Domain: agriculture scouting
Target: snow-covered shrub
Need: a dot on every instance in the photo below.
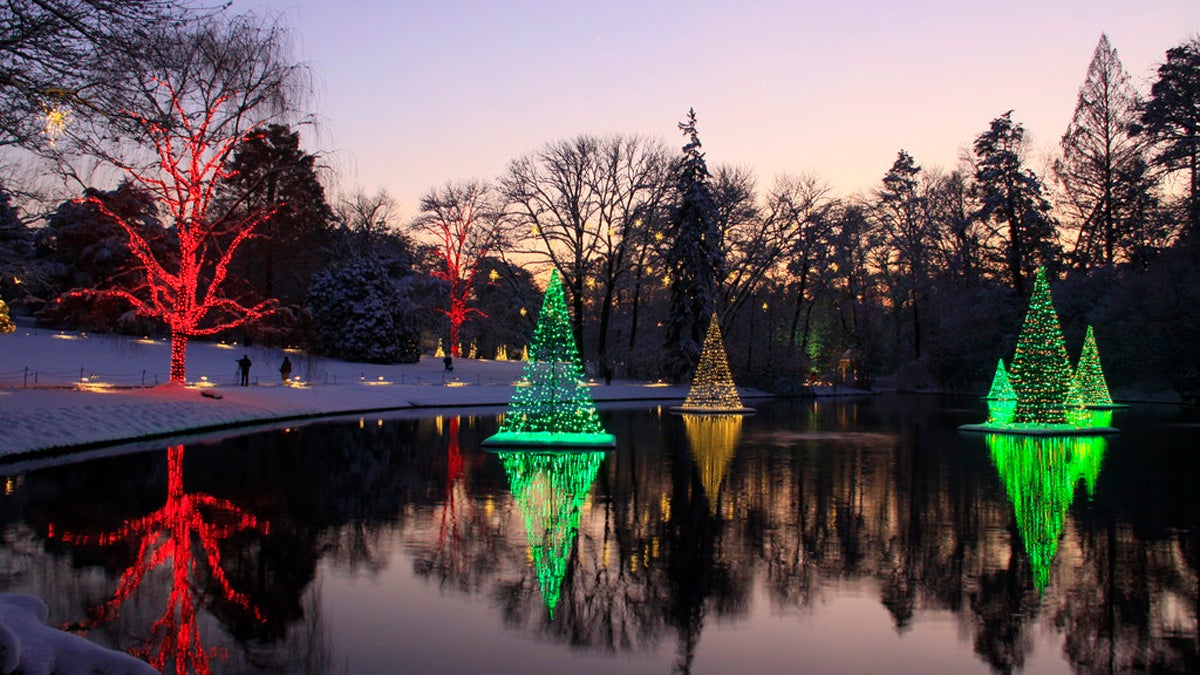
(360, 313)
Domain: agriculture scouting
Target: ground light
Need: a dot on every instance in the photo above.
(713, 391)
(552, 405)
(551, 488)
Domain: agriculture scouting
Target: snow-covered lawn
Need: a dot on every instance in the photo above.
(61, 389)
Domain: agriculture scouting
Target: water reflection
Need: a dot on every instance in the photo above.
(708, 546)
(188, 524)
(1040, 476)
(713, 440)
(550, 489)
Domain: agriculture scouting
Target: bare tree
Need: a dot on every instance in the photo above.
(580, 201)
(192, 95)
(52, 57)
(365, 222)
(463, 220)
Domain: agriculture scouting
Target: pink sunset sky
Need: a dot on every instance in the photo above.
(412, 94)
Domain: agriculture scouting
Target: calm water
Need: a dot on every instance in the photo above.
(854, 536)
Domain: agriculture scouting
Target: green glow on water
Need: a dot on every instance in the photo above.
(550, 489)
(1040, 476)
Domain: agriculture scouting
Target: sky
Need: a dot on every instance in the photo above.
(411, 94)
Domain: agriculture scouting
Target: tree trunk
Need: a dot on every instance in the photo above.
(179, 342)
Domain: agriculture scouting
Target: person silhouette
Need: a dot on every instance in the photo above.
(285, 370)
(244, 369)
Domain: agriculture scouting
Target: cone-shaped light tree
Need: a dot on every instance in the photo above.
(712, 387)
(550, 489)
(1041, 370)
(1089, 375)
(552, 404)
(1040, 476)
(1002, 389)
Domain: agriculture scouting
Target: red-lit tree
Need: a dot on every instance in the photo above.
(187, 524)
(195, 94)
(463, 220)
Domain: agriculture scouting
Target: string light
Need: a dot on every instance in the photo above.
(1041, 371)
(550, 489)
(1040, 476)
(6, 323)
(713, 390)
(57, 120)
(1002, 389)
(1089, 375)
(551, 404)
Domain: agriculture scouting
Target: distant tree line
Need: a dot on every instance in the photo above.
(918, 283)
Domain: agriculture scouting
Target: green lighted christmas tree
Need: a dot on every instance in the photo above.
(1041, 371)
(713, 390)
(1040, 477)
(550, 489)
(1002, 389)
(552, 404)
(1089, 375)
(6, 322)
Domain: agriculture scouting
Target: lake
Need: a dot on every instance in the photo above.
(840, 535)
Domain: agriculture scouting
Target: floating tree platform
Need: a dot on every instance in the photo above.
(549, 440)
(1039, 429)
(685, 410)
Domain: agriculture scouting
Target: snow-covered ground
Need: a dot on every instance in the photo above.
(61, 389)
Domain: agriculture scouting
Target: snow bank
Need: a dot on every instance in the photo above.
(30, 647)
(60, 390)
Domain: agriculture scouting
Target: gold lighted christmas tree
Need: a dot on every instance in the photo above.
(713, 390)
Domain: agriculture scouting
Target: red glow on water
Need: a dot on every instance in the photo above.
(186, 529)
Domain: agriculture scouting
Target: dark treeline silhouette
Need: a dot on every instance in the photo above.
(917, 283)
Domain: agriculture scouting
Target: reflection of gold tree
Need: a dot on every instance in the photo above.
(713, 439)
(550, 489)
(187, 522)
(1040, 475)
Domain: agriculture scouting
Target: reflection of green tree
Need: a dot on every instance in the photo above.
(550, 489)
(713, 439)
(1040, 475)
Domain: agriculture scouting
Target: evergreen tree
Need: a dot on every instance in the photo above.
(906, 228)
(1103, 169)
(1041, 371)
(269, 168)
(1089, 375)
(16, 247)
(1012, 202)
(551, 404)
(1002, 389)
(695, 260)
(1172, 117)
(362, 313)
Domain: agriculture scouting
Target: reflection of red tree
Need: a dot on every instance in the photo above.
(455, 473)
(172, 532)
